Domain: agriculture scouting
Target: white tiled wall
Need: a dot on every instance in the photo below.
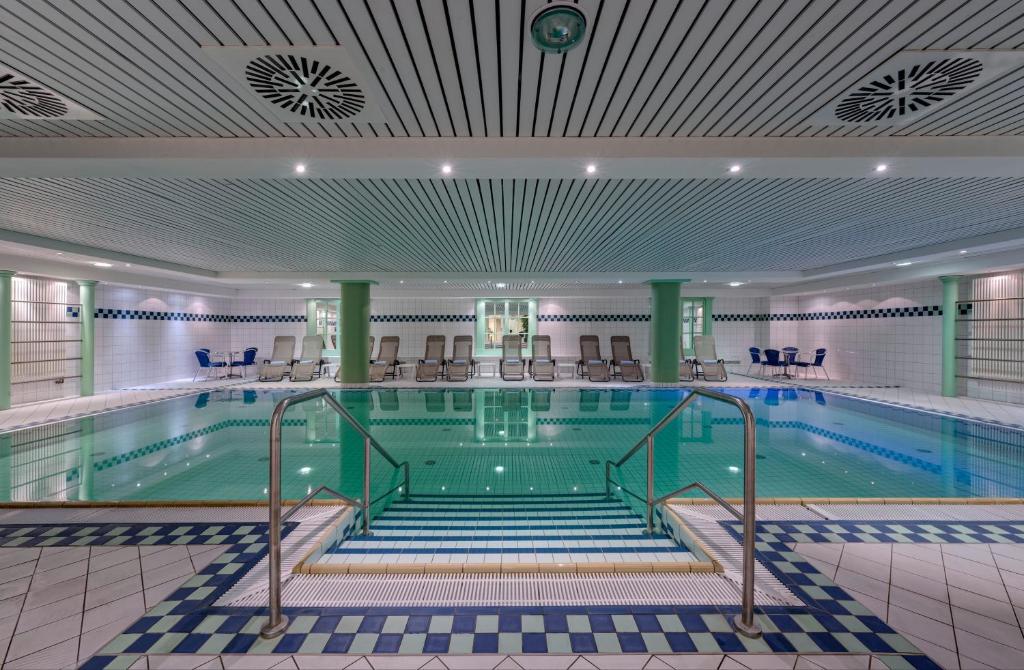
(733, 339)
(132, 352)
(40, 319)
(997, 347)
(413, 334)
(904, 351)
(261, 334)
(565, 335)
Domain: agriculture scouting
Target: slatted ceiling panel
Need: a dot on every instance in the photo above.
(468, 225)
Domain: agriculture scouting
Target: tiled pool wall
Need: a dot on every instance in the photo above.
(882, 335)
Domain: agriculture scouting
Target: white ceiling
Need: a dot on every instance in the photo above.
(742, 74)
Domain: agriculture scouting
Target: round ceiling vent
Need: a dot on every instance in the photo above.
(305, 86)
(908, 90)
(20, 96)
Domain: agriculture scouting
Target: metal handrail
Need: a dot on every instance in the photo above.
(744, 621)
(277, 621)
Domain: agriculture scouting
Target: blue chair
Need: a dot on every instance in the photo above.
(816, 364)
(773, 360)
(202, 400)
(248, 358)
(771, 396)
(755, 359)
(203, 356)
(249, 397)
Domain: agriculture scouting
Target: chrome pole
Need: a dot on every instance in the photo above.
(607, 479)
(277, 622)
(366, 485)
(744, 622)
(650, 483)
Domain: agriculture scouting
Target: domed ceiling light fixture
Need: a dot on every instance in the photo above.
(558, 27)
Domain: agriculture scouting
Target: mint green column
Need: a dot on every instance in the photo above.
(665, 327)
(5, 338)
(950, 294)
(310, 316)
(355, 332)
(87, 296)
(706, 328)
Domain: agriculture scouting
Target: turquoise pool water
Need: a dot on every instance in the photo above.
(213, 446)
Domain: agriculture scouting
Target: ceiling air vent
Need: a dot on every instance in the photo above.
(23, 98)
(302, 83)
(915, 83)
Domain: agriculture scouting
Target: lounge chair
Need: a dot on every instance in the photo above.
(590, 364)
(590, 400)
(461, 366)
(542, 366)
(462, 401)
(620, 400)
(386, 363)
(512, 366)
(540, 400)
(434, 401)
(280, 362)
(432, 364)
(622, 358)
(712, 368)
(755, 359)
(309, 364)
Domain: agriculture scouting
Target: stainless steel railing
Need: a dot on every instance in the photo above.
(277, 621)
(744, 621)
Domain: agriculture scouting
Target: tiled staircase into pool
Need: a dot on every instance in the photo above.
(509, 534)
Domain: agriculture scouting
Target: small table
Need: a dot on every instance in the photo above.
(490, 365)
(229, 358)
(565, 365)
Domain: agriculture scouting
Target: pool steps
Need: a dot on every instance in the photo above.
(567, 533)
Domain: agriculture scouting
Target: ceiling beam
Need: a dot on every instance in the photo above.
(619, 157)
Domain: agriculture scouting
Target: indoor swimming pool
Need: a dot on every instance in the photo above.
(496, 442)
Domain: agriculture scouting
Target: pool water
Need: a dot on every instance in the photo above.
(213, 446)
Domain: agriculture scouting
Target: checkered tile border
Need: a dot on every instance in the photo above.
(919, 532)
(578, 318)
(187, 622)
(883, 313)
(422, 318)
(146, 315)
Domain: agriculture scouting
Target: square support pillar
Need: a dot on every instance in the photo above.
(665, 331)
(950, 295)
(87, 296)
(355, 332)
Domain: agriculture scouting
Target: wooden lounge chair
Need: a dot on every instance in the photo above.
(622, 358)
(542, 366)
(590, 364)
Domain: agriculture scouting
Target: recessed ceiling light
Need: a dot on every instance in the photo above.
(300, 168)
(306, 284)
(963, 251)
(881, 167)
(500, 285)
(558, 27)
(446, 168)
(102, 265)
(735, 283)
(903, 264)
(591, 169)
(735, 168)
(401, 281)
(705, 281)
(127, 265)
(620, 281)
(60, 253)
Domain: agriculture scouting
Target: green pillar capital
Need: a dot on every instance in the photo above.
(87, 282)
(950, 295)
(7, 273)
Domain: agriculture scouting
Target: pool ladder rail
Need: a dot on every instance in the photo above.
(744, 622)
(278, 622)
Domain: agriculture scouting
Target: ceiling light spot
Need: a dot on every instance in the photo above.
(735, 168)
(620, 281)
(306, 284)
(881, 167)
(300, 168)
(963, 251)
(446, 168)
(557, 28)
(591, 169)
(736, 283)
(500, 285)
(102, 265)
(903, 264)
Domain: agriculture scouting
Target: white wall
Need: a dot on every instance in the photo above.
(44, 302)
(888, 335)
(155, 336)
(999, 299)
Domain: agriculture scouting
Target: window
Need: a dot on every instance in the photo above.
(497, 318)
(693, 322)
(327, 323)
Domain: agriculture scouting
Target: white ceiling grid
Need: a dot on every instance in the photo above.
(510, 225)
(466, 68)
